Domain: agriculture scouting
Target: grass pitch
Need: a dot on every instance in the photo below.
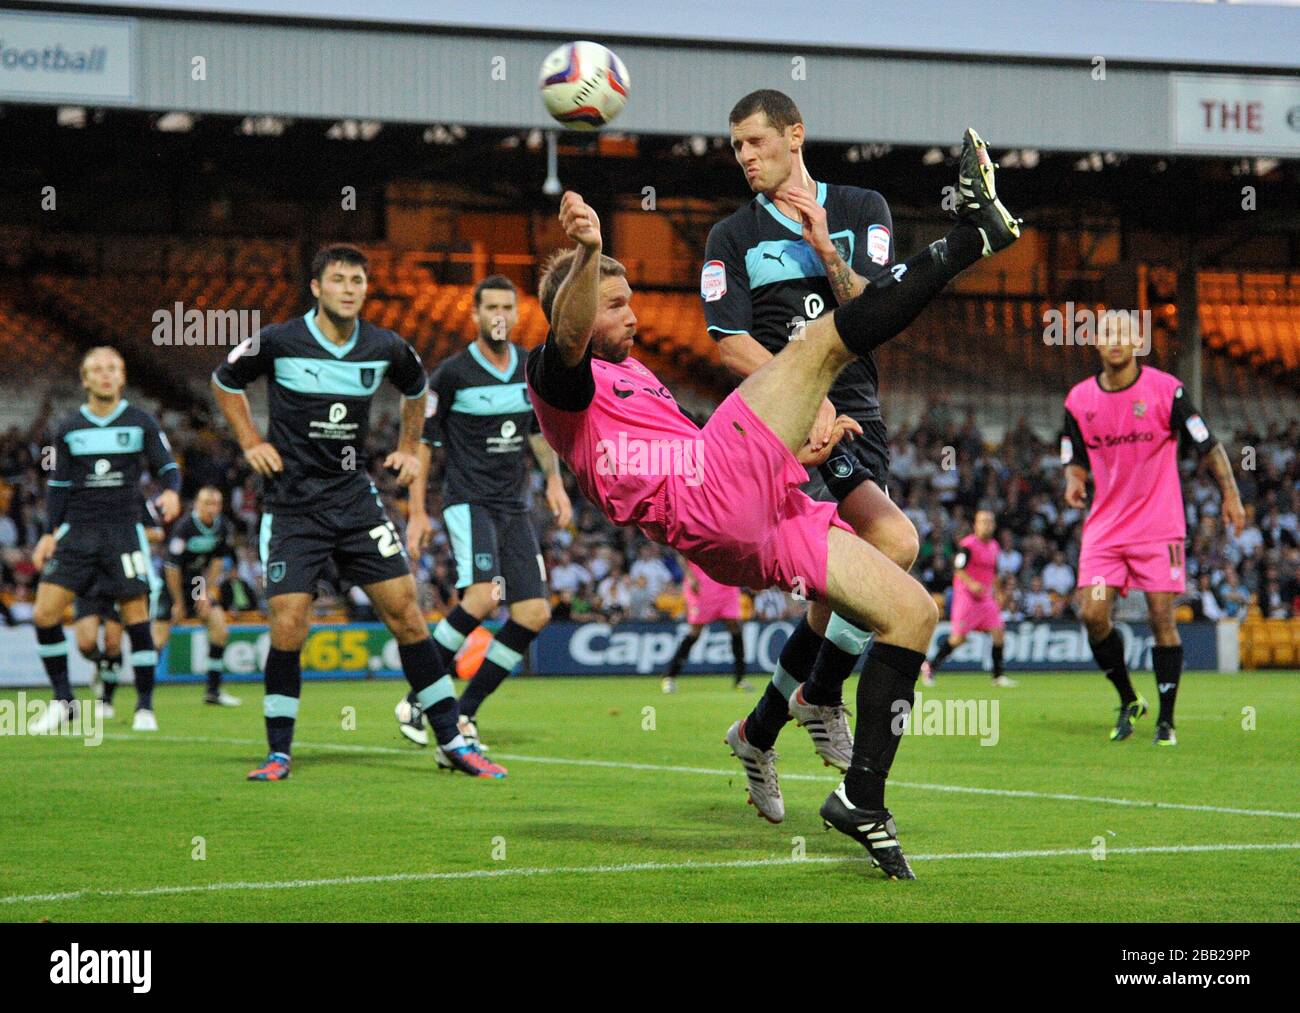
(623, 804)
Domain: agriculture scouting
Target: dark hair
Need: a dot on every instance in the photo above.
(777, 106)
(338, 253)
(556, 269)
(493, 281)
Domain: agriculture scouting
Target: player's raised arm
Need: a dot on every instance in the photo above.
(574, 311)
(1185, 419)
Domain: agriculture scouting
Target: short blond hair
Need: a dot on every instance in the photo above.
(556, 269)
(95, 351)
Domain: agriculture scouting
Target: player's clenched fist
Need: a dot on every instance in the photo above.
(579, 220)
(264, 459)
(1076, 490)
(406, 465)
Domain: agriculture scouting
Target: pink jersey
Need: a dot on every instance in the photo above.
(1128, 439)
(626, 443)
(709, 600)
(981, 566)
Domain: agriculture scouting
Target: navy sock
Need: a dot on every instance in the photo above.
(738, 656)
(110, 666)
(52, 646)
(1168, 663)
(503, 656)
(997, 661)
(448, 637)
(144, 660)
(1109, 652)
(280, 706)
(432, 687)
(772, 711)
(216, 665)
(886, 690)
(835, 662)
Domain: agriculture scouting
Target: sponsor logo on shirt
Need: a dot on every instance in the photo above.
(713, 281)
(878, 244)
(1097, 442)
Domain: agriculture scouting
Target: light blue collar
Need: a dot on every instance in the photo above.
(790, 223)
(338, 351)
(200, 525)
(481, 359)
(110, 417)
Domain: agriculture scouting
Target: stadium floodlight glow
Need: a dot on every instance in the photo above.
(551, 187)
(175, 123)
(1029, 158)
(73, 117)
(264, 126)
(354, 130)
(932, 157)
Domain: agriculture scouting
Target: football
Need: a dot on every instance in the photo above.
(584, 85)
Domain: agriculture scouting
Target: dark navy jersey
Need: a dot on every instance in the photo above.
(98, 464)
(192, 545)
(761, 277)
(319, 396)
(483, 418)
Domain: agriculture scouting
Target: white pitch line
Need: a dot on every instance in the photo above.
(594, 870)
(717, 772)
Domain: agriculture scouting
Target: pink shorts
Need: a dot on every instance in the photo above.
(712, 602)
(1146, 566)
(744, 520)
(971, 613)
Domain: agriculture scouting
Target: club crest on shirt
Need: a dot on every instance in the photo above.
(841, 244)
(367, 376)
(1139, 408)
(275, 572)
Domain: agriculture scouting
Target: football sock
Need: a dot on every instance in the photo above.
(448, 638)
(940, 656)
(52, 646)
(836, 658)
(280, 706)
(882, 311)
(1168, 663)
(144, 659)
(773, 708)
(432, 688)
(110, 666)
(679, 659)
(216, 665)
(503, 657)
(738, 656)
(1109, 652)
(997, 661)
(886, 689)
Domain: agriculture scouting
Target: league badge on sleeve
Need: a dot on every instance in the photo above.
(713, 281)
(878, 244)
(1199, 431)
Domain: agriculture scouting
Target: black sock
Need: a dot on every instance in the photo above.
(738, 656)
(1109, 653)
(432, 687)
(216, 666)
(886, 691)
(940, 656)
(503, 656)
(679, 659)
(110, 665)
(94, 656)
(450, 633)
(1168, 663)
(280, 706)
(879, 313)
(52, 646)
(997, 661)
(773, 708)
(836, 659)
(144, 660)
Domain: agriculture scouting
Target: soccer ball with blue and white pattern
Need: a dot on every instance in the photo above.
(584, 85)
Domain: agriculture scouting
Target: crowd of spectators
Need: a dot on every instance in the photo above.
(943, 470)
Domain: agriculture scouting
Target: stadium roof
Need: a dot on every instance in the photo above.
(1254, 35)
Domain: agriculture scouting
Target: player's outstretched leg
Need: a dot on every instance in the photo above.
(817, 705)
(1167, 660)
(283, 675)
(52, 645)
(144, 661)
(669, 682)
(395, 602)
(503, 657)
(875, 593)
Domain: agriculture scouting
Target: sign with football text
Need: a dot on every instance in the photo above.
(69, 58)
(1236, 115)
